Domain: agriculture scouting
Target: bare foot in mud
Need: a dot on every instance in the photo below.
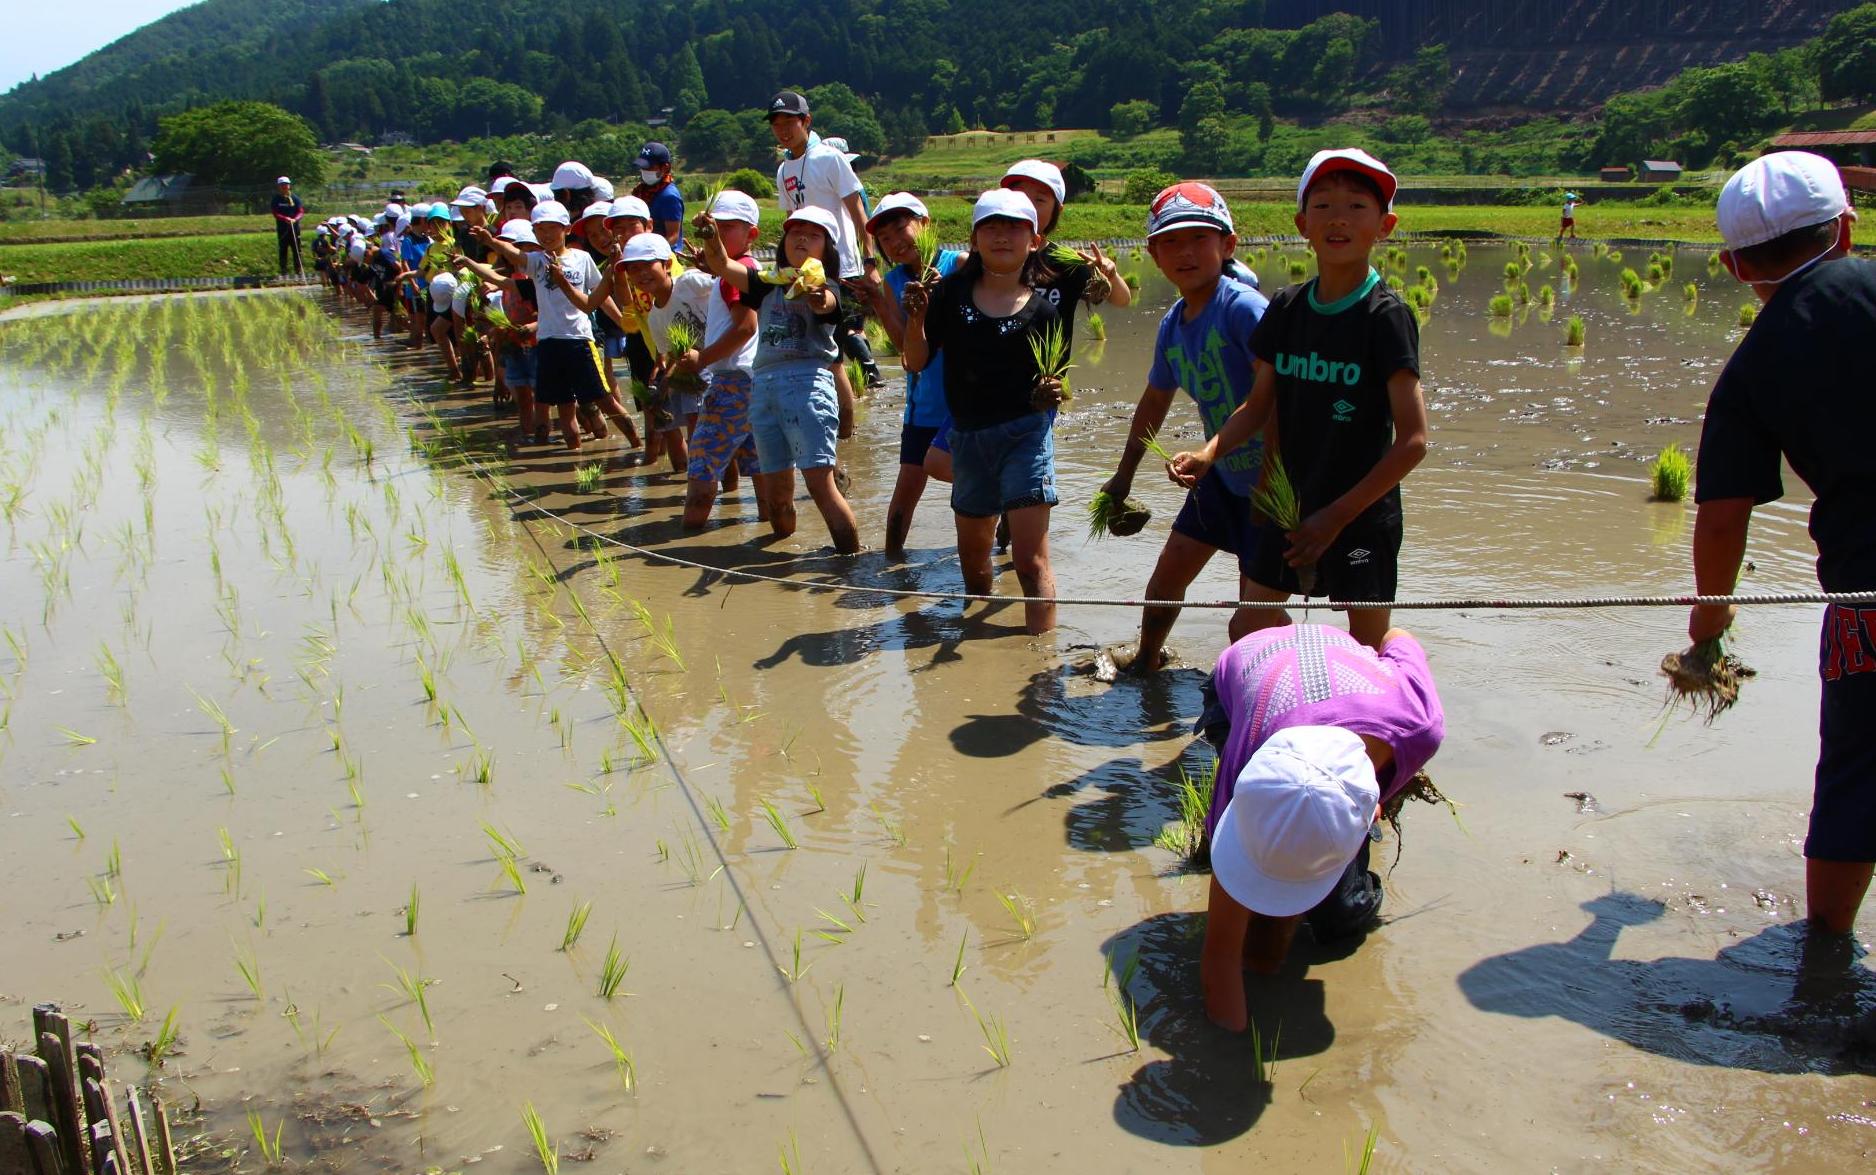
(1109, 664)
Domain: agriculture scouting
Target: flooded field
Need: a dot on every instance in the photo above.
(416, 807)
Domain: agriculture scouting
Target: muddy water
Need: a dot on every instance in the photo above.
(1558, 987)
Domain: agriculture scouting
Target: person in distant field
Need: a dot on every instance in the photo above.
(659, 192)
(1316, 733)
(1204, 347)
(288, 210)
(1338, 385)
(1797, 390)
(1567, 228)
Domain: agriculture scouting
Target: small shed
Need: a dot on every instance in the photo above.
(1614, 175)
(1660, 171)
(1844, 148)
(159, 190)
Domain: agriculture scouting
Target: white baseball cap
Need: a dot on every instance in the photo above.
(1348, 159)
(820, 217)
(550, 212)
(647, 247)
(1044, 173)
(505, 186)
(626, 206)
(597, 210)
(572, 175)
(402, 226)
(283, 180)
(518, 232)
(470, 197)
(1779, 193)
(1301, 809)
(734, 205)
(898, 202)
(602, 188)
(1005, 204)
(542, 191)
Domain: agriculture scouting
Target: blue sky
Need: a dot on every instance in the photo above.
(42, 37)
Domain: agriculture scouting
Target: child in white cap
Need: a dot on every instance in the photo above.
(1315, 732)
(1798, 389)
(721, 446)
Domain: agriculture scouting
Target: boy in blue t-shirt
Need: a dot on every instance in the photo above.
(894, 227)
(1204, 347)
(1337, 399)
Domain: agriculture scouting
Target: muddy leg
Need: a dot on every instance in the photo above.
(1833, 891)
(1029, 543)
(835, 511)
(905, 495)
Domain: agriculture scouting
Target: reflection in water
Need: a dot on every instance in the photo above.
(1782, 1001)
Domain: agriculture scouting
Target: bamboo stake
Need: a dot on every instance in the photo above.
(68, 1118)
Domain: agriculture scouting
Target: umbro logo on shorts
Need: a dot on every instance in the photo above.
(1359, 556)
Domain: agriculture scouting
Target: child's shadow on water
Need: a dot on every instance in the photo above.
(1206, 1092)
(1115, 716)
(1781, 1001)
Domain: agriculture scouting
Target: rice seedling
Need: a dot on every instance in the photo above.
(791, 1154)
(778, 822)
(1264, 1063)
(78, 830)
(1632, 285)
(926, 243)
(1748, 314)
(797, 968)
(428, 680)
(955, 877)
(576, 924)
(73, 738)
(1546, 296)
(271, 1150)
(419, 1064)
(718, 816)
(1705, 676)
(1097, 327)
(665, 642)
(1671, 474)
(260, 912)
(1499, 306)
(411, 987)
(957, 965)
(855, 897)
(1573, 331)
(586, 479)
(164, 1042)
(1362, 1161)
(996, 1034)
(218, 716)
(1126, 1011)
(321, 876)
(1298, 271)
(1116, 516)
(127, 990)
(1690, 292)
(894, 829)
(114, 862)
(1275, 496)
(1715, 266)
(612, 971)
(1017, 906)
(1151, 443)
(248, 966)
(814, 793)
(227, 779)
(621, 1059)
(512, 874)
(1195, 805)
(113, 674)
(832, 1043)
(1049, 348)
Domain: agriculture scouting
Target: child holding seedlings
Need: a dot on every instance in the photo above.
(996, 333)
(794, 411)
(1797, 389)
(1204, 347)
(513, 321)
(902, 230)
(1337, 399)
(1302, 777)
(675, 307)
(721, 441)
(569, 370)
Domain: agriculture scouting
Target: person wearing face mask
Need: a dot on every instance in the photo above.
(1797, 391)
(659, 192)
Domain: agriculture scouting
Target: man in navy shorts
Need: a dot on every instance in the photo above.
(1798, 389)
(1204, 346)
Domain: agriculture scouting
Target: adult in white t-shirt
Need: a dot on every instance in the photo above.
(819, 175)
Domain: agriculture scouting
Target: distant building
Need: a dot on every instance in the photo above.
(1615, 175)
(26, 169)
(1659, 171)
(1851, 148)
(171, 195)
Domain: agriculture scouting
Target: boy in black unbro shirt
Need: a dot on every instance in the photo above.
(1337, 399)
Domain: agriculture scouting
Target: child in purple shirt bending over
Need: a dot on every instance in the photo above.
(1316, 733)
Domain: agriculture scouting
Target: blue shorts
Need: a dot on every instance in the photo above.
(794, 414)
(1008, 466)
(518, 366)
(1843, 801)
(1215, 516)
(942, 442)
(915, 441)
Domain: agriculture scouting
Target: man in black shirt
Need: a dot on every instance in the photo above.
(287, 211)
(1799, 388)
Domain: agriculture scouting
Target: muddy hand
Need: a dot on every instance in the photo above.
(1187, 468)
(1707, 621)
(915, 300)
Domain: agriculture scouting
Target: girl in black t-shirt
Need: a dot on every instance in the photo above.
(983, 317)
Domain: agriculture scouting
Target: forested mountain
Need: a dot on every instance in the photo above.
(437, 69)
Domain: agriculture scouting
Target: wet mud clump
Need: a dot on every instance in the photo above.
(1122, 518)
(1706, 677)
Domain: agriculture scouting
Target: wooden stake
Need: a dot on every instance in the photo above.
(10, 1086)
(165, 1149)
(140, 1141)
(42, 1144)
(35, 1089)
(67, 1115)
(13, 1156)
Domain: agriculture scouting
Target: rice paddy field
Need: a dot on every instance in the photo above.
(381, 793)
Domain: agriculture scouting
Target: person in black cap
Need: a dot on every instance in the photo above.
(659, 192)
(498, 169)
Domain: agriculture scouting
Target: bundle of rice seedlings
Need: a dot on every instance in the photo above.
(1152, 443)
(497, 318)
(1706, 677)
(1500, 306)
(1671, 474)
(1275, 498)
(706, 227)
(1050, 349)
(1748, 314)
(1574, 336)
(1119, 517)
(926, 242)
(681, 337)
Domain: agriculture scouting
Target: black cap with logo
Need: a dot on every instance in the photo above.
(788, 102)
